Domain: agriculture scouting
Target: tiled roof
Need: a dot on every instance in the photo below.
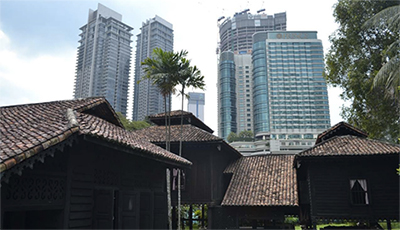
(175, 119)
(29, 129)
(94, 126)
(350, 146)
(266, 180)
(340, 129)
(174, 113)
(190, 134)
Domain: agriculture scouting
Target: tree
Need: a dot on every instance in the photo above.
(132, 125)
(246, 135)
(162, 70)
(355, 57)
(389, 75)
(232, 137)
(187, 76)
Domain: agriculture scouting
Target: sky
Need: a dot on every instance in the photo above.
(39, 40)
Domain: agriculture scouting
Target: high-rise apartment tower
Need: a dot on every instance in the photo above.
(155, 33)
(235, 113)
(290, 99)
(196, 103)
(104, 56)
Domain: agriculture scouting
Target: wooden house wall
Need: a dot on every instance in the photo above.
(128, 187)
(224, 217)
(204, 180)
(36, 198)
(89, 186)
(329, 187)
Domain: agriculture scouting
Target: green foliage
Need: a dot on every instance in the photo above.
(294, 220)
(162, 69)
(132, 125)
(355, 57)
(189, 76)
(232, 137)
(245, 135)
(388, 76)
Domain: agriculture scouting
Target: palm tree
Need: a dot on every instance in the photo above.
(161, 69)
(389, 75)
(166, 70)
(188, 76)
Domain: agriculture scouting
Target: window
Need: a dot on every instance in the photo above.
(359, 191)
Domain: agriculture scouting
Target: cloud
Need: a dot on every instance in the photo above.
(45, 77)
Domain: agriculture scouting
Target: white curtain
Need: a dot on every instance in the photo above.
(352, 182)
(363, 184)
(174, 177)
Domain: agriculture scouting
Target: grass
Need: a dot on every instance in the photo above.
(395, 225)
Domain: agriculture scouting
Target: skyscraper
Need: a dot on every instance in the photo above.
(104, 55)
(196, 104)
(235, 68)
(155, 33)
(290, 99)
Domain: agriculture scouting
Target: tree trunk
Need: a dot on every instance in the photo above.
(169, 199)
(180, 154)
(168, 173)
(169, 123)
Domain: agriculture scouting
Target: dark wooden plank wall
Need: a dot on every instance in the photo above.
(81, 179)
(38, 192)
(136, 183)
(330, 187)
(231, 217)
(81, 182)
(204, 180)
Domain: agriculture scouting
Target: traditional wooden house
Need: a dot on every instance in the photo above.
(70, 164)
(262, 191)
(203, 184)
(347, 177)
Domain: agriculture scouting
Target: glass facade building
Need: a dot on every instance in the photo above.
(235, 46)
(227, 94)
(196, 104)
(103, 62)
(290, 99)
(147, 100)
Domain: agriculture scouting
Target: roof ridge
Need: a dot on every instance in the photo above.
(342, 139)
(72, 121)
(49, 102)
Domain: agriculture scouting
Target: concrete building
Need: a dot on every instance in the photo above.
(155, 33)
(289, 94)
(270, 82)
(235, 68)
(196, 104)
(290, 98)
(104, 56)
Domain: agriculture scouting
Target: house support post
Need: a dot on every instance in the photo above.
(389, 224)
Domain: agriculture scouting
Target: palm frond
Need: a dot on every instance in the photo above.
(389, 17)
(389, 77)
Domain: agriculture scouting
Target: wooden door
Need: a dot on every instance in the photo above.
(130, 209)
(104, 209)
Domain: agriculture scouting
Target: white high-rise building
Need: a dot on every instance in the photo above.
(155, 33)
(104, 56)
(196, 104)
